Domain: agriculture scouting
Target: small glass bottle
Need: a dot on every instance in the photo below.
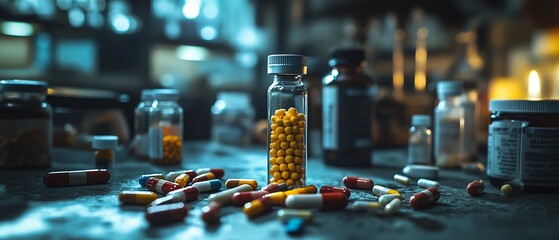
(232, 118)
(449, 125)
(166, 126)
(347, 110)
(287, 120)
(420, 140)
(104, 154)
(25, 125)
(139, 145)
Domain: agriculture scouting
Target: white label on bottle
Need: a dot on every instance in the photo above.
(330, 118)
(155, 142)
(540, 154)
(448, 146)
(504, 149)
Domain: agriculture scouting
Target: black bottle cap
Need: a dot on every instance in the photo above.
(346, 56)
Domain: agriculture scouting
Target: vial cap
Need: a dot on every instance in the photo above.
(23, 86)
(445, 88)
(287, 64)
(147, 95)
(105, 142)
(421, 120)
(346, 56)
(166, 94)
(525, 106)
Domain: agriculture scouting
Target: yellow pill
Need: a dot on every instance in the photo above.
(298, 152)
(285, 118)
(288, 130)
(285, 174)
(292, 111)
(286, 122)
(281, 153)
(298, 160)
(280, 160)
(271, 172)
(291, 166)
(273, 126)
(283, 167)
(293, 120)
(273, 180)
(299, 182)
(288, 158)
(295, 175)
(274, 168)
(279, 122)
(290, 137)
(295, 128)
(282, 137)
(293, 144)
(279, 130)
(274, 118)
(301, 146)
(284, 145)
(289, 151)
(182, 180)
(273, 137)
(273, 152)
(280, 112)
(301, 116)
(301, 130)
(299, 137)
(289, 182)
(280, 181)
(505, 189)
(299, 169)
(277, 175)
(275, 146)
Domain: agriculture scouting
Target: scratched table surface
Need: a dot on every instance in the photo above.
(30, 210)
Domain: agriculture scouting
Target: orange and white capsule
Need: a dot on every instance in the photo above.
(171, 176)
(137, 197)
(380, 190)
(241, 198)
(231, 183)
(324, 201)
(161, 186)
(182, 180)
(424, 198)
(358, 182)
(77, 178)
(218, 172)
(204, 177)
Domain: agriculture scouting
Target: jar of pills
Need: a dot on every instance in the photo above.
(523, 143)
(165, 131)
(25, 125)
(287, 120)
(104, 150)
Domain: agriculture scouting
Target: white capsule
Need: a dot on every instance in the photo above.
(364, 206)
(224, 197)
(303, 201)
(426, 183)
(385, 199)
(421, 171)
(393, 206)
(402, 179)
(286, 214)
(380, 190)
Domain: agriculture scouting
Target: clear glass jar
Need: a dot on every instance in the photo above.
(420, 140)
(232, 118)
(166, 126)
(140, 144)
(449, 125)
(25, 125)
(347, 100)
(104, 146)
(287, 120)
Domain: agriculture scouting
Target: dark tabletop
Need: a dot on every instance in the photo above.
(28, 209)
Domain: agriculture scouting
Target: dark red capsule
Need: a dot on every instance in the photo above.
(77, 178)
(425, 198)
(161, 185)
(239, 199)
(358, 182)
(210, 213)
(166, 213)
(475, 187)
(331, 189)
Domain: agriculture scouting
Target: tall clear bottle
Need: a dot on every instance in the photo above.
(420, 140)
(287, 120)
(139, 146)
(449, 125)
(166, 126)
(347, 108)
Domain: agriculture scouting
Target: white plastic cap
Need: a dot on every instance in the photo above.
(166, 94)
(445, 88)
(105, 142)
(421, 120)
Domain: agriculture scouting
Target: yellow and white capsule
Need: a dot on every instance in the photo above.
(364, 206)
(393, 206)
(402, 179)
(231, 183)
(182, 180)
(387, 198)
(286, 214)
(380, 190)
(137, 197)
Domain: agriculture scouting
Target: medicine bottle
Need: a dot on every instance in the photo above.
(287, 120)
(166, 126)
(449, 125)
(523, 144)
(347, 110)
(104, 150)
(420, 140)
(232, 119)
(25, 125)
(139, 145)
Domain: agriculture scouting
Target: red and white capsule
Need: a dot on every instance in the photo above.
(240, 198)
(425, 198)
(324, 201)
(204, 177)
(218, 172)
(161, 186)
(77, 178)
(330, 189)
(358, 182)
(160, 214)
(274, 187)
(211, 213)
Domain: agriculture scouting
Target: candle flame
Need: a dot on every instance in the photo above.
(534, 86)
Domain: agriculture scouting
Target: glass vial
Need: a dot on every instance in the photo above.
(25, 125)
(104, 150)
(347, 110)
(471, 116)
(449, 125)
(420, 140)
(287, 120)
(232, 119)
(166, 126)
(139, 146)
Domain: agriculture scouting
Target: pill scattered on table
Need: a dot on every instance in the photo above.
(425, 198)
(208, 186)
(161, 185)
(274, 187)
(182, 180)
(402, 179)
(218, 172)
(329, 189)
(475, 187)
(358, 182)
(241, 198)
(393, 206)
(204, 177)
(387, 198)
(224, 197)
(421, 171)
(231, 183)
(171, 176)
(286, 214)
(77, 178)
(167, 213)
(294, 226)
(426, 183)
(257, 207)
(137, 197)
(380, 190)
(365, 206)
(211, 213)
(144, 178)
(324, 201)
